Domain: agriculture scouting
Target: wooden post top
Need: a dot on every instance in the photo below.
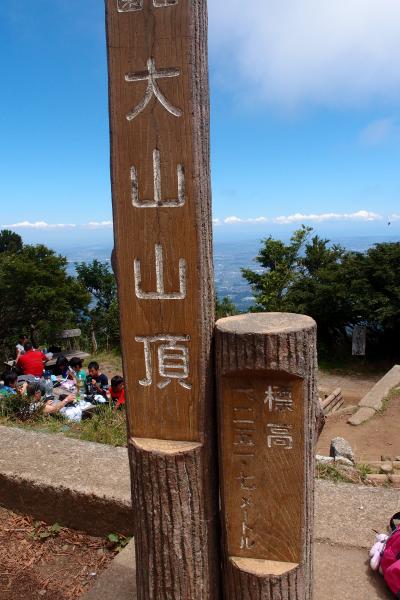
(265, 342)
(265, 323)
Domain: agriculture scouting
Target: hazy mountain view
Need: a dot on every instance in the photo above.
(229, 258)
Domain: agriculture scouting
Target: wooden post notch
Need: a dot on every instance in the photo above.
(267, 401)
(159, 114)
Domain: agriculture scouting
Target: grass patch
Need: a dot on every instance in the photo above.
(105, 427)
(342, 474)
(393, 395)
(339, 473)
(364, 470)
(331, 472)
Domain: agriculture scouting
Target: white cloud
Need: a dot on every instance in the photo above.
(44, 225)
(378, 132)
(361, 215)
(99, 224)
(232, 220)
(39, 225)
(318, 52)
(394, 217)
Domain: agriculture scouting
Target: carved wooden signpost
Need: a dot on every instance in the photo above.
(267, 398)
(159, 113)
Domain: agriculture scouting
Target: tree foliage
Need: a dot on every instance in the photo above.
(37, 296)
(103, 314)
(10, 241)
(337, 287)
(225, 308)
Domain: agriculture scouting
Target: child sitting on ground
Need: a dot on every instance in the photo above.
(10, 385)
(62, 367)
(49, 407)
(96, 382)
(76, 365)
(117, 391)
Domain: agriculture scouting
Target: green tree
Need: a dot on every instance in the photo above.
(309, 276)
(37, 295)
(382, 272)
(103, 313)
(379, 297)
(337, 287)
(10, 241)
(225, 308)
(281, 265)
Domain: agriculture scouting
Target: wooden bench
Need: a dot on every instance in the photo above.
(333, 402)
(71, 339)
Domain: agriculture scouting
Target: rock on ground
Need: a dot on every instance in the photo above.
(341, 449)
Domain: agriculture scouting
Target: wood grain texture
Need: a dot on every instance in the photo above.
(262, 453)
(177, 558)
(160, 172)
(174, 37)
(269, 346)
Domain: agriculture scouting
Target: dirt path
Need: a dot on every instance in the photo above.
(377, 437)
(354, 387)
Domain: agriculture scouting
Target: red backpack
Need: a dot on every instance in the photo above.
(390, 561)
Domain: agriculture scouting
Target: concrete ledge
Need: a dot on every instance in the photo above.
(373, 401)
(54, 478)
(375, 397)
(86, 486)
(361, 416)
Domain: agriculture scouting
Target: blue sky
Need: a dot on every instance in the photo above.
(305, 118)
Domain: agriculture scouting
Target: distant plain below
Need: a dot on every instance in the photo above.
(229, 258)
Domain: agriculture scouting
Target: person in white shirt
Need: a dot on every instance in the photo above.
(20, 346)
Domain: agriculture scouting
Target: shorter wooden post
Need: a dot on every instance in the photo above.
(267, 406)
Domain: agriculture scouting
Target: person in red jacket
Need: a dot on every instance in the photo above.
(32, 362)
(117, 391)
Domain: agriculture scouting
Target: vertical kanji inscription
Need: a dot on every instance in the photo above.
(263, 457)
(161, 196)
(159, 120)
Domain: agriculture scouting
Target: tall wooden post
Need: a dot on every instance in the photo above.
(267, 398)
(159, 113)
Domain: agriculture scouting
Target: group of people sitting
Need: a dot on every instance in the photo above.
(71, 391)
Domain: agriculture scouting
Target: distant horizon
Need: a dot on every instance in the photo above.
(62, 238)
(230, 255)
